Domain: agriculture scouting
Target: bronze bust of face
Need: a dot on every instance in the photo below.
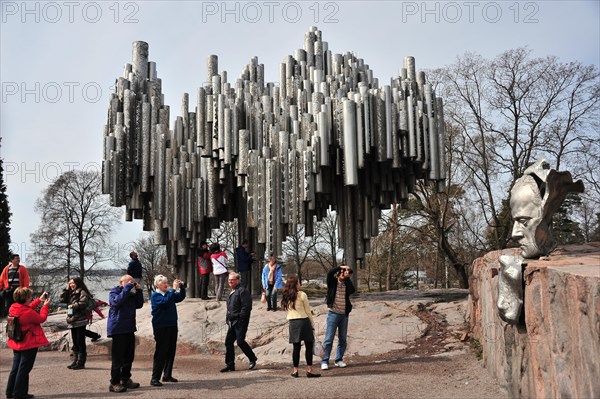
(534, 198)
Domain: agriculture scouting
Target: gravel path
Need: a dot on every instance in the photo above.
(420, 350)
(388, 376)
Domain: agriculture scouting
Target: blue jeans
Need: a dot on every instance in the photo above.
(335, 321)
(271, 297)
(18, 379)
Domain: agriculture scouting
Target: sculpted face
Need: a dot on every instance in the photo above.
(526, 210)
(510, 289)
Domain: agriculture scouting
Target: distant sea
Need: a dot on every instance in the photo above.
(99, 287)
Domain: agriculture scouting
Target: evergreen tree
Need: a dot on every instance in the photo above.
(4, 220)
(566, 230)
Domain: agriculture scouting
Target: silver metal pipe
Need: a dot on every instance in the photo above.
(287, 151)
(350, 151)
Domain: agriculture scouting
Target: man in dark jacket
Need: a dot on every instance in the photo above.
(339, 289)
(239, 306)
(244, 259)
(124, 300)
(134, 269)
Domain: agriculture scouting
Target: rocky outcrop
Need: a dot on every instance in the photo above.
(554, 351)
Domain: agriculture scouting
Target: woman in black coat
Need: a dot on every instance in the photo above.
(80, 301)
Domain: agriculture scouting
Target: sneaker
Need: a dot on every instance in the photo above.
(324, 366)
(130, 384)
(340, 364)
(116, 388)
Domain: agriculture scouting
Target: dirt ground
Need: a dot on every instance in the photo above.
(439, 362)
(393, 375)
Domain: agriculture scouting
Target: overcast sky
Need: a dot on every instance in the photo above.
(60, 59)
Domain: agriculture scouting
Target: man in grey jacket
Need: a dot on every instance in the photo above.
(239, 306)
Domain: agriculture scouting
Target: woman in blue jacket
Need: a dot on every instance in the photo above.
(272, 280)
(164, 324)
(124, 300)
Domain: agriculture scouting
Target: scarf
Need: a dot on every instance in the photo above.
(271, 276)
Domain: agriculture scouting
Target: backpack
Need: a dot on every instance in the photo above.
(91, 305)
(13, 329)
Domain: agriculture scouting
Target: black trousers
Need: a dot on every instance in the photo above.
(78, 337)
(237, 333)
(8, 301)
(204, 278)
(122, 354)
(245, 279)
(18, 379)
(91, 334)
(164, 354)
(308, 353)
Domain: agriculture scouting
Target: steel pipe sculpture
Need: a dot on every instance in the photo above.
(535, 197)
(272, 156)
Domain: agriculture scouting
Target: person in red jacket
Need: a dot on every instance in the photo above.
(205, 269)
(25, 351)
(13, 276)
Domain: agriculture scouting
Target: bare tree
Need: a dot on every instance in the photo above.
(299, 248)
(326, 234)
(510, 111)
(227, 236)
(76, 225)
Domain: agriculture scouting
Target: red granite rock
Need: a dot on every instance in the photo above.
(555, 351)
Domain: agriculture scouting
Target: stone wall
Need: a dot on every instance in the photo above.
(555, 351)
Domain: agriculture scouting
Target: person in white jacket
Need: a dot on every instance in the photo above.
(218, 259)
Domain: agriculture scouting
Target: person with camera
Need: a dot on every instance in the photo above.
(124, 301)
(339, 289)
(80, 302)
(164, 325)
(239, 306)
(13, 276)
(25, 351)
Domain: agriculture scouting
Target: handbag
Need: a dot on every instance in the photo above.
(318, 349)
(263, 297)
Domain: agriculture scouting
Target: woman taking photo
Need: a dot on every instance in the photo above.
(295, 302)
(25, 351)
(80, 301)
(164, 325)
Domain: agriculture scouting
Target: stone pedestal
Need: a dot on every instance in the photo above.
(555, 351)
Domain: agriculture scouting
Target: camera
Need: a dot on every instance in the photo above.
(182, 284)
(343, 271)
